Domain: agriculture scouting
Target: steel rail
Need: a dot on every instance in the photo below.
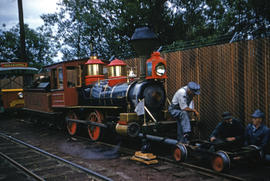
(57, 157)
(173, 142)
(201, 170)
(21, 167)
(205, 170)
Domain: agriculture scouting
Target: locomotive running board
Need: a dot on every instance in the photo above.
(93, 107)
(42, 112)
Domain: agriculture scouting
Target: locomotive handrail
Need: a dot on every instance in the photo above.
(150, 114)
(169, 102)
(118, 78)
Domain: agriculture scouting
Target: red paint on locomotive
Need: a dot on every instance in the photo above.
(94, 70)
(117, 72)
(156, 67)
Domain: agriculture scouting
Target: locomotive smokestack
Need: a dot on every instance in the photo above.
(144, 41)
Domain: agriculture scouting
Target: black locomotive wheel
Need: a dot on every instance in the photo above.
(180, 153)
(221, 161)
(71, 126)
(95, 132)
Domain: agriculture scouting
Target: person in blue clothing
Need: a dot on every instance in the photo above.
(256, 132)
(229, 129)
(182, 105)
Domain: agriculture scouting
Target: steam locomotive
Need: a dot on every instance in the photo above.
(79, 91)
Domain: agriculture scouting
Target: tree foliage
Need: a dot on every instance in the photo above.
(107, 26)
(39, 49)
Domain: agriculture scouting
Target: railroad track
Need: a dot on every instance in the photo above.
(165, 163)
(40, 165)
(168, 163)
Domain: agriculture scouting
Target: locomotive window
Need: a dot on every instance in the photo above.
(79, 75)
(115, 71)
(71, 77)
(60, 78)
(53, 79)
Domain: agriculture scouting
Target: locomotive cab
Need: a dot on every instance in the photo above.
(66, 77)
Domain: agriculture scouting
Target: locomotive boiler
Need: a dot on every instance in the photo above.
(126, 95)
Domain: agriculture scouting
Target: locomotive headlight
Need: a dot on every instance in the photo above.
(160, 69)
(20, 95)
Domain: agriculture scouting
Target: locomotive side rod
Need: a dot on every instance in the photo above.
(87, 122)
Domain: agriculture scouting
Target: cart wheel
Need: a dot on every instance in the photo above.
(71, 126)
(258, 155)
(180, 153)
(221, 161)
(95, 132)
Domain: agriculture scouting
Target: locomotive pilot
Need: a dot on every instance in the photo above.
(229, 129)
(182, 104)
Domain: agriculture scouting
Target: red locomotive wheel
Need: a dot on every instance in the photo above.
(71, 126)
(177, 154)
(218, 164)
(94, 132)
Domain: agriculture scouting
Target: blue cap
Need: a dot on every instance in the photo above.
(258, 114)
(194, 87)
(227, 115)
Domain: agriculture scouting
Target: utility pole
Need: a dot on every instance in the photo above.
(22, 32)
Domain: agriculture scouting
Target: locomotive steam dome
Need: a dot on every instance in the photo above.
(117, 72)
(94, 70)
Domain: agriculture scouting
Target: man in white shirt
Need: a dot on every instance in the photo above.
(182, 104)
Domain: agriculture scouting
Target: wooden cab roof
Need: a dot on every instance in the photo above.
(74, 62)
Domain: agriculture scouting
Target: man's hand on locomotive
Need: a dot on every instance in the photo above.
(212, 139)
(197, 114)
(230, 139)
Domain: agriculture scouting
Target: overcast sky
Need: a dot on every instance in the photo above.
(32, 9)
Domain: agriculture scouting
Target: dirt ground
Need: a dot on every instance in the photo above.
(104, 160)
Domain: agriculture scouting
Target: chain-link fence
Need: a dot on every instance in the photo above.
(234, 77)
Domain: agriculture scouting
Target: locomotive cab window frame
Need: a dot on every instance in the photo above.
(57, 79)
(74, 76)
